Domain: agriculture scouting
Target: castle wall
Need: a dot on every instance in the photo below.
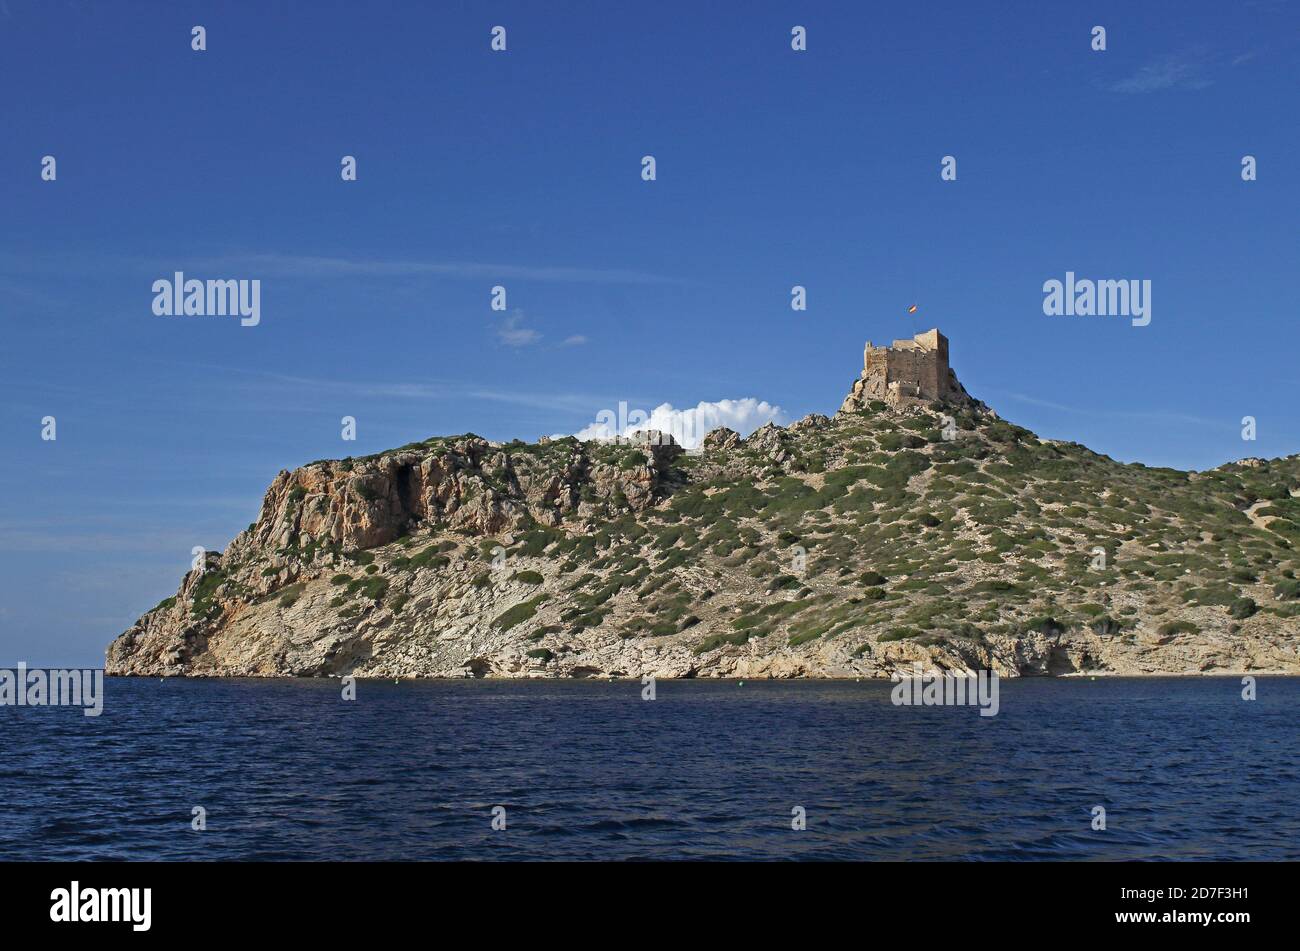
(920, 367)
(876, 363)
(922, 361)
(907, 373)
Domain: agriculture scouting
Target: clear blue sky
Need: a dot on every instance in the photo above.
(775, 168)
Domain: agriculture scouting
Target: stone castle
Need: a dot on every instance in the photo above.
(908, 373)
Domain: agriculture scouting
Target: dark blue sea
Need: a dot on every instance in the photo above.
(286, 769)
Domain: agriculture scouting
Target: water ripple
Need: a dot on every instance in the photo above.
(286, 770)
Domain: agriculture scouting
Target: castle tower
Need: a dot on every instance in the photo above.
(908, 372)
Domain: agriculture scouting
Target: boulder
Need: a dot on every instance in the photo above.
(721, 438)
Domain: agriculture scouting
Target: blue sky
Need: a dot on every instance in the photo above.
(522, 168)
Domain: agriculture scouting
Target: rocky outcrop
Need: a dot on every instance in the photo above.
(770, 440)
(315, 518)
(812, 421)
(467, 484)
(721, 438)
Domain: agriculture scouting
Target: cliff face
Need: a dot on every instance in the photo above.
(464, 484)
(850, 546)
(331, 514)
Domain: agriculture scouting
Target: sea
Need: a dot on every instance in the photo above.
(1153, 768)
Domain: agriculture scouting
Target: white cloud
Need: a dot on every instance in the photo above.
(1176, 71)
(513, 334)
(308, 266)
(688, 426)
(576, 340)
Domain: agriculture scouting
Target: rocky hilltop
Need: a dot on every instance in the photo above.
(913, 526)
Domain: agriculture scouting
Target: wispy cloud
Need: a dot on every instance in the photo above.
(308, 266)
(270, 264)
(260, 382)
(1155, 416)
(1182, 70)
(513, 333)
(24, 292)
(47, 538)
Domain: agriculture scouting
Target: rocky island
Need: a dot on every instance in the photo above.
(915, 525)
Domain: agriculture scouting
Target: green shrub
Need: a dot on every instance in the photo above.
(519, 613)
(535, 541)
(1242, 608)
(1105, 625)
(1047, 626)
(429, 557)
(289, 596)
(371, 586)
(204, 592)
(997, 587)
(719, 640)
